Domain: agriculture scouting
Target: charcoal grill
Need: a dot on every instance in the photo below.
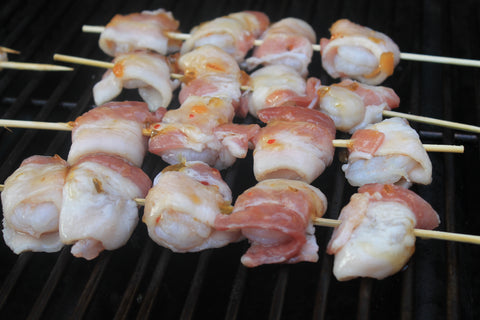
(142, 280)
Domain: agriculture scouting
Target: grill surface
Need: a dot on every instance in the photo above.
(143, 280)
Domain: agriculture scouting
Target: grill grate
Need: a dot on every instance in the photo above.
(143, 280)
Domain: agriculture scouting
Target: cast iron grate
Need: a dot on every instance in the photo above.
(143, 280)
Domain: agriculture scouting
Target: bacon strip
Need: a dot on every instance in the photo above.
(210, 72)
(234, 33)
(425, 215)
(376, 237)
(275, 215)
(181, 208)
(197, 132)
(286, 42)
(31, 202)
(295, 144)
(359, 53)
(279, 85)
(353, 105)
(99, 211)
(147, 72)
(366, 140)
(388, 152)
(120, 125)
(140, 31)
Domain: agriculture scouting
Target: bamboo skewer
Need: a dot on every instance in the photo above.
(96, 63)
(67, 126)
(61, 126)
(316, 47)
(345, 143)
(432, 121)
(32, 66)
(28, 65)
(83, 61)
(387, 113)
(8, 50)
(420, 233)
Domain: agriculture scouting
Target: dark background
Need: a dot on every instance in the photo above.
(144, 280)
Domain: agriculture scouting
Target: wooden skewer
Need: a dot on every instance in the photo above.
(428, 234)
(96, 63)
(67, 126)
(345, 143)
(8, 50)
(62, 126)
(387, 113)
(83, 61)
(421, 233)
(436, 122)
(32, 66)
(316, 47)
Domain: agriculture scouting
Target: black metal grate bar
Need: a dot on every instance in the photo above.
(155, 282)
(91, 286)
(279, 294)
(440, 282)
(134, 283)
(238, 289)
(50, 285)
(196, 286)
(13, 276)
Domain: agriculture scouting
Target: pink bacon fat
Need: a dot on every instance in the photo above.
(114, 128)
(276, 216)
(295, 144)
(372, 95)
(286, 42)
(353, 105)
(181, 208)
(146, 71)
(279, 85)
(426, 217)
(123, 168)
(99, 211)
(387, 152)
(200, 130)
(234, 33)
(359, 53)
(209, 71)
(140, 31)
(31, 201)
(376, 237)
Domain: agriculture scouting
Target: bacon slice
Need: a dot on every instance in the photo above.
(99, 211)
(114, 128)
(359, 53)
(353, 105)
(210, 72)
(192, 133)
(286, 42)
(376, 238)
(388, 152)
(234, 33)
(295, 144)
(147, 72)
(276, 217)
(31, 202)
(181, 208)
(279, 85)
(236, 139)
(140, 31)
